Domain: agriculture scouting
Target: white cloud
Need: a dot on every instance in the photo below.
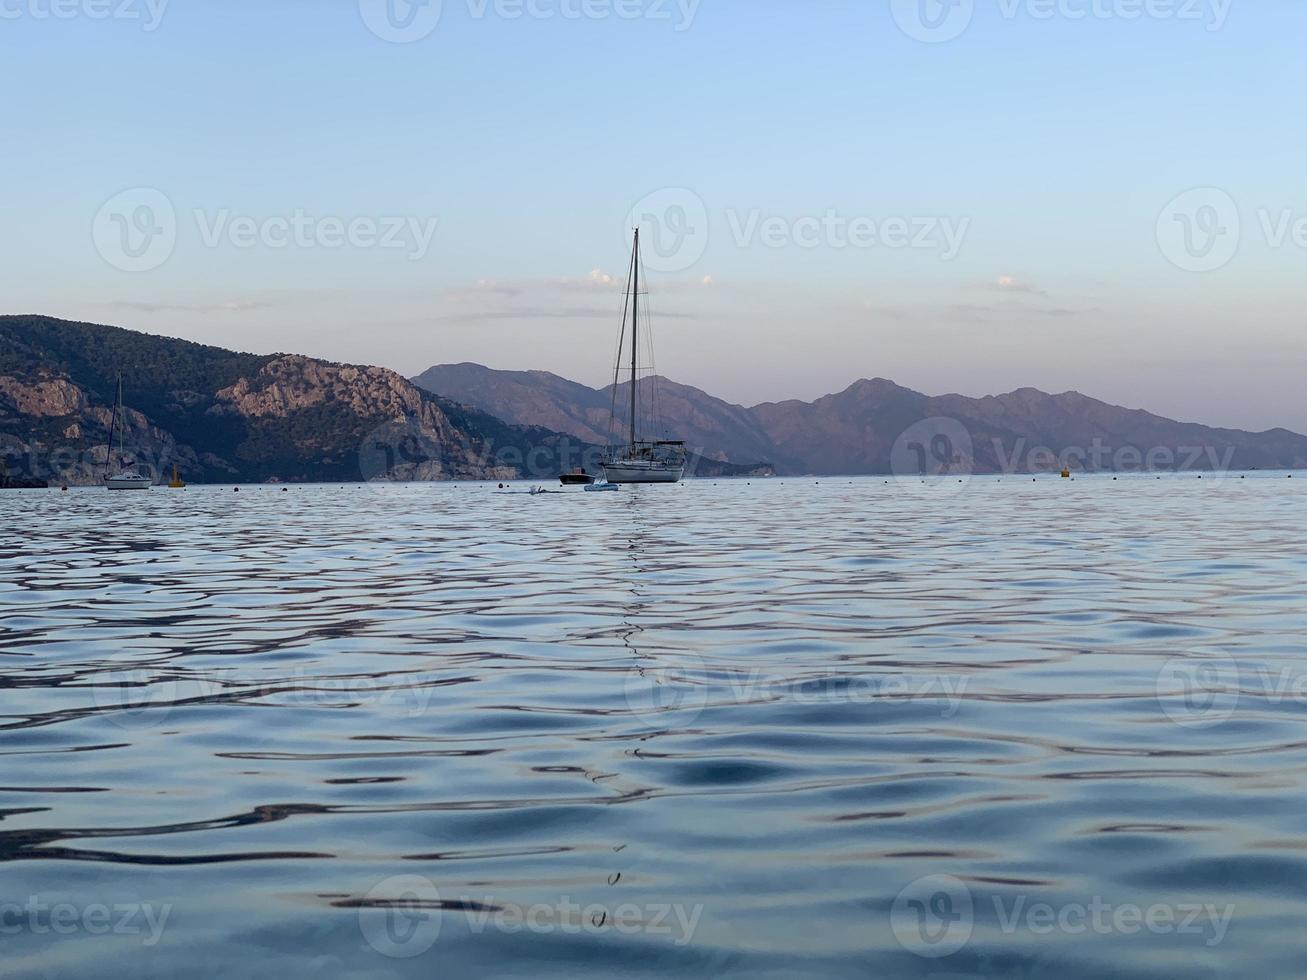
(1010, 284)
(228, 306)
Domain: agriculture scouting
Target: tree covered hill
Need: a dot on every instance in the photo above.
(222, 415)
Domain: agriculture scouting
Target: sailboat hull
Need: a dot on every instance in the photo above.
(128, 482)
(635, 471)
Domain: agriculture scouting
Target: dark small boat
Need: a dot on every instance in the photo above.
(577, 478)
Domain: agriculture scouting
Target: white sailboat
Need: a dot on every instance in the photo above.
(640, 460)
(122, 474)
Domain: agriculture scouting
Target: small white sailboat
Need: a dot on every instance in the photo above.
(123, 473)
(640, 460)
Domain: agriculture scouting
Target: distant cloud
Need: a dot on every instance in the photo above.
(553, 298)
(990, 310)
(1009, 284)
(231, 306)
(597, 280)
(974, 311)
(549, 313)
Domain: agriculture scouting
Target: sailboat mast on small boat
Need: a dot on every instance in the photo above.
(635, 330)
(640, 461)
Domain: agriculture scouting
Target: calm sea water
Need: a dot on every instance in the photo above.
(787, 728)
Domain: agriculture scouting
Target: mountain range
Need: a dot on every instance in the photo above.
(224, 416)
(870, 427)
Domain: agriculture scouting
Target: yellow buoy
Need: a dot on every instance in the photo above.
(1066, 474)
(177, 482)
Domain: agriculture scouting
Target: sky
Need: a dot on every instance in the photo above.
(960, 195)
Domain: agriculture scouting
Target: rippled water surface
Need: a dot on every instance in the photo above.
(791, 728)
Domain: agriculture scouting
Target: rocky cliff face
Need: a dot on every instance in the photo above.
(224, 416)
(294, 383)
(42, 398)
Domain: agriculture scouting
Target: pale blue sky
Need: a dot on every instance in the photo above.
(1048, 146)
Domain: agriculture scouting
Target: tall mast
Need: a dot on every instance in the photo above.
(113, 423)
(635, 328)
